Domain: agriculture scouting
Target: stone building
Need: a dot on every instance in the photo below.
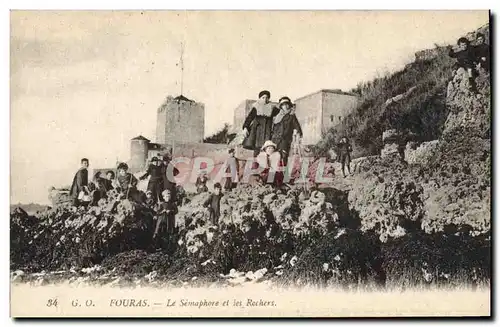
(319, 111)
(180, 119)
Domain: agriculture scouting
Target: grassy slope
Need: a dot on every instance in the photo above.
(422, 112)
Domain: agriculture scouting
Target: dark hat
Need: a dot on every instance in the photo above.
(154, 159)
(122, 165)
(262, 93)
(217, 185)
(284, 100)
(463, 40)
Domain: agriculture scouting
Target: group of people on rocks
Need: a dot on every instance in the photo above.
(472, 57)
(268, 130)
(160, 195)
(88, 192)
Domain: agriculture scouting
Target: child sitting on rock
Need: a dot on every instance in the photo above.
(213, 203)
(149, 201)
(272, 162)
(127, 183)
(167, 210)
(465, 59)
(201, 183)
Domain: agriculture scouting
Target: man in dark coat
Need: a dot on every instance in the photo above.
(80, 181)
(156, 183)
(482, 52)
(284, 124)
(344, 150)
(169, 171)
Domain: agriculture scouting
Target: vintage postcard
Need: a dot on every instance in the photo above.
(250, 163)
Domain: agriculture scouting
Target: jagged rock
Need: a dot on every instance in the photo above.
(399, 97)
(426, 54)
(65, 235)
(390, 136)
(469, 111)
(389, 149)
(59, 196)
(387, 201)
(420, 154)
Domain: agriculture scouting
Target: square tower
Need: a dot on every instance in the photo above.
(180, 119)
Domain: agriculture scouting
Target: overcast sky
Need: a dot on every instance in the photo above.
(84, 83)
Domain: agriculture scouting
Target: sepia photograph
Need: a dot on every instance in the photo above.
(299, 164)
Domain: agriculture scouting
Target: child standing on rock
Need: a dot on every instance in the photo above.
(231, 165)
(213, 204)
(80, 183)
(166, 218)
(156, 183)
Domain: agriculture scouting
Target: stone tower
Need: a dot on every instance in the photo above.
(180, 120)
(138, 152)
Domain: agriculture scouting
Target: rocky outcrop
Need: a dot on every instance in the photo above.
(457, 184)
(420, 153)
(59, 196)
(468, 110)
(448, 182)
(458, 181)
(399, 97)
(386, 201)
(426, 54)
(67, 235)
(390, 138)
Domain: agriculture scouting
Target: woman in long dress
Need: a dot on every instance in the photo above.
(259, 123)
